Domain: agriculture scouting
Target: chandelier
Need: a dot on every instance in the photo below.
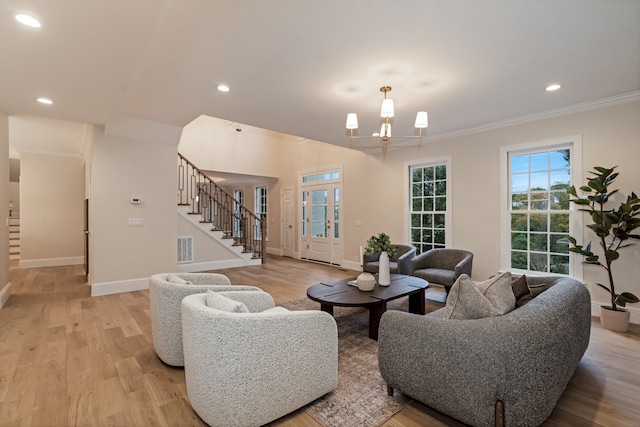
(386, 113)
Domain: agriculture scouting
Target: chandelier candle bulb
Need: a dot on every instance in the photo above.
(352, 121)
(422, 120)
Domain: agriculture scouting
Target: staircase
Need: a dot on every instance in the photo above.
(14, 238)
(226, 218)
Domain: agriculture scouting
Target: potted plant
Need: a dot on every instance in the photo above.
(380, 245)
(613, 227)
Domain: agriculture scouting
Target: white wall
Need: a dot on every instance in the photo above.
(374, 186)
(51, 218)
(5, 287)
(124, 257)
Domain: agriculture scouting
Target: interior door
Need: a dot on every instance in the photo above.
(86, 238)
(288, 230)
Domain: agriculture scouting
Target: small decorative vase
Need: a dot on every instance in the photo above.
(366, 282)
(384, 278)
(614, 320)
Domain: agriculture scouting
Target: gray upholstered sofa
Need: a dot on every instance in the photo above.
(164, 299)
(513, 367)
(248, 368)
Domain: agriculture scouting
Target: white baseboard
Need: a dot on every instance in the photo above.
(5, 293)
(634, 311)
(195, 267)
(274, 251)
(50, 262)
(108, 288)
(351, 265)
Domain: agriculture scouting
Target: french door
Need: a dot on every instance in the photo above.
(321, 227)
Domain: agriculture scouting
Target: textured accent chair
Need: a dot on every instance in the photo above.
(503, 370)
(399, 264)
(165, 294)
(442, 266)
(250, 368)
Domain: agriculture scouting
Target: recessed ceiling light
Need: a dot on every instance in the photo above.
(223, 88)
(28, 20)
(44, 101)
(553, 87)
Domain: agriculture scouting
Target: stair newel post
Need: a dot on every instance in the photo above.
(181, 176)
(193, 191)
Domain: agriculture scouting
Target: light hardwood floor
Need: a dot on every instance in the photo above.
(67, 359)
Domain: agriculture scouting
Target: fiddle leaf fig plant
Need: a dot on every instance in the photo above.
(613, 227)
(380, 243)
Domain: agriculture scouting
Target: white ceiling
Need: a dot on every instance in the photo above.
(299, 66)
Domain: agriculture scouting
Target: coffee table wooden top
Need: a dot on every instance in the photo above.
(340, 293)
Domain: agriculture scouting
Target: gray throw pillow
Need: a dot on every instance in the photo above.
(537, 289)
(220, 302)
(469, 300)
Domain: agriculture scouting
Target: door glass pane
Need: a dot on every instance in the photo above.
(319, 213)
(336, 213)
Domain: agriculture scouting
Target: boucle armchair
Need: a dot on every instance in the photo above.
(398, 264)
(250, 368)
(442, 266)
(512, 367)
(164, 300)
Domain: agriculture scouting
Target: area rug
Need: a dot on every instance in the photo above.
(361, 399)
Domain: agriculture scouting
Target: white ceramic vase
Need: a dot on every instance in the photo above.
(384, 278)
(366, 281)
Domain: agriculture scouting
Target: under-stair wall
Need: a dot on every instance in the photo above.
(223, 231)
(209, 250)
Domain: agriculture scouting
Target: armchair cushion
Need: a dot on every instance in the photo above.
(220, 302)
(469, 300)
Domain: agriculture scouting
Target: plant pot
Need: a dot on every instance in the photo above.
(614, 320)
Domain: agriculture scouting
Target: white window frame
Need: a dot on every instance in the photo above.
(575, 219)
(432, 161)
(266, 206)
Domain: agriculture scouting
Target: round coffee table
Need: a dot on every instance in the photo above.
(341, 293)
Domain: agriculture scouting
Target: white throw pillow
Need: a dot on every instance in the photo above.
(172, 278)
(469, 300)
(220, 302)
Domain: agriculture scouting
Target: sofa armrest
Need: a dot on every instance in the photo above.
(404, 260)
(464, 266)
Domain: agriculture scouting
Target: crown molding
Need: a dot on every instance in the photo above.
(549, 114)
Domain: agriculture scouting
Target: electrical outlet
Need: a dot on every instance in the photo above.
(136, 222)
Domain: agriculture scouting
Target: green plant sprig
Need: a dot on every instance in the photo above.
(380, 243)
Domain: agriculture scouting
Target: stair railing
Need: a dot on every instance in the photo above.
(222, 210)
